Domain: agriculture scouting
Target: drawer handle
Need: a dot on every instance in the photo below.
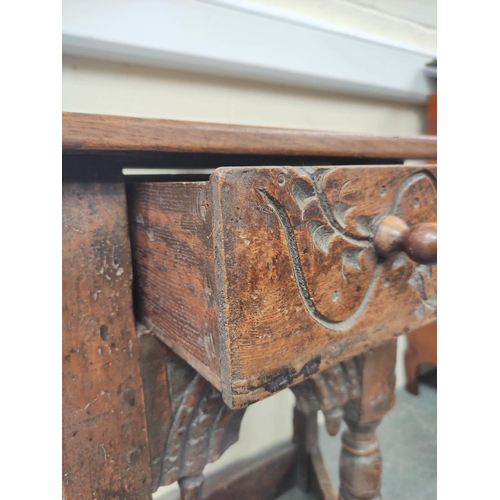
(418, 242)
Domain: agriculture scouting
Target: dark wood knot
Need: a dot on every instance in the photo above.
(418, 242)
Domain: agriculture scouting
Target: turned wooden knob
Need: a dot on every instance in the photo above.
(419, 242)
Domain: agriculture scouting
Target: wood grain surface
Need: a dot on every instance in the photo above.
(172, 237)
(105, 447)
(273, 270)
(90, 132)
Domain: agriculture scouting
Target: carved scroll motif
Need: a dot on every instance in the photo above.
(307, 189)
(202, 429)
(189, 425)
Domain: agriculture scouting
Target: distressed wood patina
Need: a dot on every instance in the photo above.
(252, 281)
(263, 276)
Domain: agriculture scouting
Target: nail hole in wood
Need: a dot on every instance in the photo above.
(104, 332)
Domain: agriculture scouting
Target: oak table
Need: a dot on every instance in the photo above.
(255, 260)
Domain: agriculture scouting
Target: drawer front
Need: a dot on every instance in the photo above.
(297, 268)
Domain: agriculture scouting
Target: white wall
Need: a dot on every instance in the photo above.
(94, 86)
(246, 40)
(91, 86)
(408, 21)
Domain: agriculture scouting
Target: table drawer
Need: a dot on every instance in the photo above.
(262, 276)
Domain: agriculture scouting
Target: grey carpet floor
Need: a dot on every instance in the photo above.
(407, 437)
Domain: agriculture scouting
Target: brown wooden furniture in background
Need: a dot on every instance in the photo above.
(252, 281)
(421, 350)
(431, 123)
(422, 343)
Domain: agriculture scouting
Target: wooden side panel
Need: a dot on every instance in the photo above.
(171, 227)
(105, 447)
(302, 285)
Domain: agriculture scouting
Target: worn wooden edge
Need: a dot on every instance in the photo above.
(93, 132)
(263, 477)
(221, 279)
(182, 352)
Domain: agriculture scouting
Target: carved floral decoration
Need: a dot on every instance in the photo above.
(307, 188)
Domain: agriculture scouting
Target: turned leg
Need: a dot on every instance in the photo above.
(327, 391)
(360, 459)
(191, 487)
(360, 463)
